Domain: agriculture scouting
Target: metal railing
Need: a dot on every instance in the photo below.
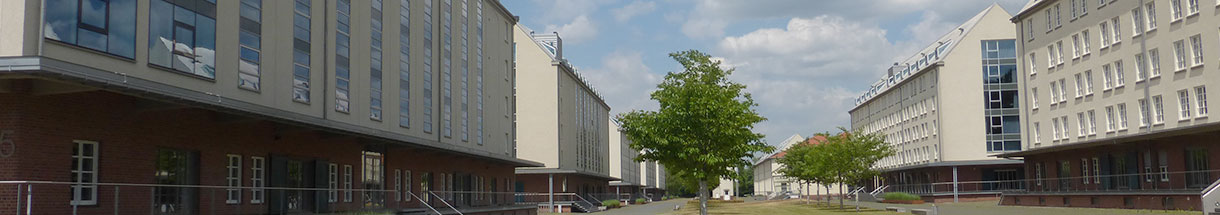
(52, 197)
(446, 203)
(1160, 182)
(561, 199)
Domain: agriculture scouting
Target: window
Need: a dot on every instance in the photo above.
(1076, 52)
(347, 183)
(1037, 133)
(1107, 78)
(425, 186)
(1140, 69)
(1033, 98)
(1079, 86)
(375, 61)
(1058, 13)
(1148, 166)
(479, 69)
(398, 185)
(1110, 120)
(343, 73)
(1084, 170)
(1062, 90)
(465, 78)
(1104, 31)
(1115, 30)
(1119, 80)
(1197, 174)
(301, 51)
(1084, 36)
(1088, 82)
(1038, 173)
(1029, 27)
(1065, 172)
(1033, 66)
(1097, 170)
(406, 180)
(1084, 9)
(1055, 128)
(1049, 24)
(372, 178)
(84, 172)
(1154, 62)
(1073, 12)
(104, 26)
(1050, 56)
(446, 69)
(1179, 54)
(1082, 127)
(1150, 8)
(1122, 116)
(1196, 50)
(1184, 105)
(404, 67)
(249, 40)
(1092, 122)
(1193, 7)
(258, 167)
(1175, 10)
(174, 169)
(233, 179)
(183, 38)
(427, 104)
(1059, 52)
(1164, 162)
(332, 183)
(1201, 100)
(1158, 108)
(1137, 24)
(1144, 121)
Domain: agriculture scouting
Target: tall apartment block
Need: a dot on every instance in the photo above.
(562, 122)
(969, 73)
(256, 107)
(1118, 102)
(623, 166)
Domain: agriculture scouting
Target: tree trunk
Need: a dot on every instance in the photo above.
(702, 197)
(841, 196)
(819, 195)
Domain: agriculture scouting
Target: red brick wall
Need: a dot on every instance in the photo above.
(1155, 202)
(43, 128)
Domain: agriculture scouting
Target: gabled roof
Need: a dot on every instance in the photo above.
(929, 55)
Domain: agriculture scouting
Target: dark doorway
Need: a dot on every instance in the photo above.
(176, 167)
(290, 173)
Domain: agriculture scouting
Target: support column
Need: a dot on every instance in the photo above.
(550, 186)
(954, 184)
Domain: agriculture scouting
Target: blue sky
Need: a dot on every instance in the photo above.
(803, 60)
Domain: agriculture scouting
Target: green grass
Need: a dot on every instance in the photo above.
(784, 207)
(900, 196)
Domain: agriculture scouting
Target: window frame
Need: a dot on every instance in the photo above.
(258, 167)
(233, 172)
(79, 185)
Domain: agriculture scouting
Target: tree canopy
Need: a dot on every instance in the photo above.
(846, 158)
(704, 125)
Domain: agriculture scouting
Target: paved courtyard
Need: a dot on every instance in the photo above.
(992, 208)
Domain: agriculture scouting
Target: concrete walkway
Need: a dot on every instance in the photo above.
(991, 208)
(650, 208)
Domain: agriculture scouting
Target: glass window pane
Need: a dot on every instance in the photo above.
(93, 13)
(92, 40)
(300, 57)
(61, 20)
(205, 47)
(122, 28)
(249, 54)
(249, 39)
(160, 32)
(251, 13)
(184, 16)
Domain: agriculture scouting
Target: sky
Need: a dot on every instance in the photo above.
(804, 61)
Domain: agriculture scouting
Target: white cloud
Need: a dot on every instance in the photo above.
(565, 10)
(636, 8)
(625, 81)
(581, 29)
(710, 18)
(801, 75)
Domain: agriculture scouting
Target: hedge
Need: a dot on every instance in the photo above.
(900, 196)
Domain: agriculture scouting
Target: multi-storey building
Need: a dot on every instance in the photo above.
(1118, 108)
(969, 72)
(254, 107)
(623, 166)
(770, 182)
(563, 124)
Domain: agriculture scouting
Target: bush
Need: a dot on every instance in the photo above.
(611, 203)
(900, 196)
(640, 201)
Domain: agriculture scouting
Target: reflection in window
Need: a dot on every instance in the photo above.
(404, 66)
(342, 57)
(446, 70)
(103, 25)
(250, 37)
(478, 44)
(300, 51)
(465, 74)
(375, 61)
(427, 66)
(183, 39)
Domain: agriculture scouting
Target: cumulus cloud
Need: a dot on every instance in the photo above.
(624, 96)
(802, 75)
(709, 18)
(636, 8)
(579, 30)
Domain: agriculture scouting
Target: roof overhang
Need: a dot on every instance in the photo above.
(54, 69)
(956, 163)
(538, 171)
(624, 184)
(1100, 142)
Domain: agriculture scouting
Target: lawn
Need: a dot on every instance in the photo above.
(772, 208)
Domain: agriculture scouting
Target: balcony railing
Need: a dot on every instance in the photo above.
(1158, 182)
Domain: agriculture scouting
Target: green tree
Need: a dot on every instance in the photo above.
(704, 124)
(853, 155)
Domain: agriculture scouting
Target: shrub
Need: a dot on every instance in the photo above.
(640, 201)
(611, 203)
(900, 196)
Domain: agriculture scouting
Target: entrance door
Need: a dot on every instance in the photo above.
(176, 167)
(289, 173)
